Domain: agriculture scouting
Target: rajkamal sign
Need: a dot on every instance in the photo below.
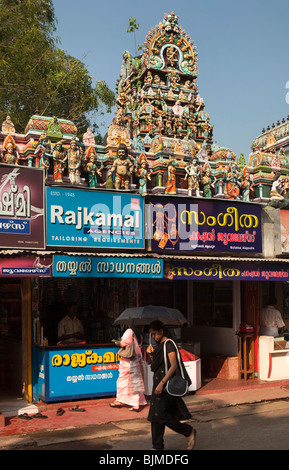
(92, 219)
(21, 207)
(182, 224)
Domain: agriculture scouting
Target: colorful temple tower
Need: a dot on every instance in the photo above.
(162, 119)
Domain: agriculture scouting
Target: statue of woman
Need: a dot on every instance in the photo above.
(92, 170)
(207, 182)
(9, 153)
(143, 175)
(171, 182)
(74, 162)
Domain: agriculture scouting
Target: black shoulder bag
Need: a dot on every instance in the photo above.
(177, 385)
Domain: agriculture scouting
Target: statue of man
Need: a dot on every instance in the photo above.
(193, 176)
(123, 168)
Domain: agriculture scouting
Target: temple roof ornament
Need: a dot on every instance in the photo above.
(8, 126)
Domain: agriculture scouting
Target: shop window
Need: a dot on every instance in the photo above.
(213, 304)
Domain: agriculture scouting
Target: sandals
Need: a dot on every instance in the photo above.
(60, 412)
(76, 408)
(192, 440)
(24, 416)
(39, 415)
(115, 405)
(134, 409)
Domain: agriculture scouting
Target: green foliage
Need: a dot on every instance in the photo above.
(36, 73)
(133, 26)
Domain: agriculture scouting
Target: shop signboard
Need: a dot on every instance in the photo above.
(26, 266)
(22, 221)
(94, 219)
(77, 372)
(85, 266)
(226, 271)
(183, 224)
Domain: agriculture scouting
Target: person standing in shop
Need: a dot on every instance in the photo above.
(270, 319)
(70, 328)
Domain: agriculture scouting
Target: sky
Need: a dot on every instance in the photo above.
(242, 50)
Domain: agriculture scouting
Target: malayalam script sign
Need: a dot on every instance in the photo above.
(94, 219)
(83, 266)
(226, 271)
(182, 224)
(26, 266)
(78, 373)
(21, 207)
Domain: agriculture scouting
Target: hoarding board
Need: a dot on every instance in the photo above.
(86, 266)
(22, 220)
(94, 219)
(184, 224)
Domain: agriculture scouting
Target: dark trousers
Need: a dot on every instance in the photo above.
(172, 422)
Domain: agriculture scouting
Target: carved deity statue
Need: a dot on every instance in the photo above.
(59, 161)
(171, 187)
(143, 174)
(9, 152)
(193, 175)
(43, 153)
(277, 188)
(74, 162)
(123, 168)
(92, 170)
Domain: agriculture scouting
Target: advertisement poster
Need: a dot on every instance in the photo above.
(94, 219)
(22, 221)
(83, 266)
(183, 224)
(78, 373)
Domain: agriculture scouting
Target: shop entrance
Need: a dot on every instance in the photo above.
(10, 337)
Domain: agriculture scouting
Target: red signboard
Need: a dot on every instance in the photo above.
(22, 207)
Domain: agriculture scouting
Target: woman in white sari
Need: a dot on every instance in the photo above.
(130, 383)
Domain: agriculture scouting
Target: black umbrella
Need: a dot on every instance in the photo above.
(149, 313)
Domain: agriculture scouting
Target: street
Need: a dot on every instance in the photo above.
(259, 426)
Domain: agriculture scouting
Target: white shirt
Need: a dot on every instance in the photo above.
(68, 326)
(270, 320)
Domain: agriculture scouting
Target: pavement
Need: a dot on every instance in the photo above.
(99, 420)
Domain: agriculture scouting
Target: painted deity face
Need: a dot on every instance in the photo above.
(121, 154)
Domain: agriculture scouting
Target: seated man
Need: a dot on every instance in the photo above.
(70, 328)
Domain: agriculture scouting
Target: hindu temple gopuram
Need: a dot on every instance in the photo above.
(161, 138)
